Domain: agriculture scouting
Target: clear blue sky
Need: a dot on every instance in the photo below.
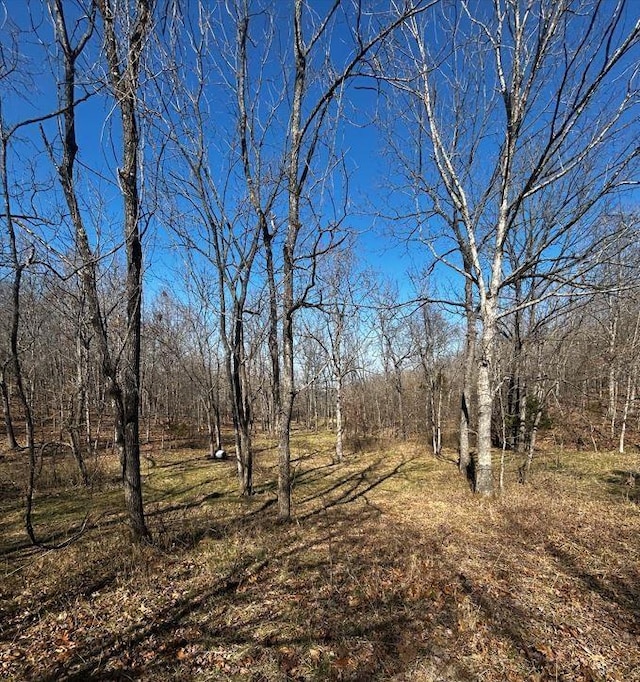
(372, 173)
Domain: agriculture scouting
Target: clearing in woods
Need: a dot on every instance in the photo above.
(391, 570)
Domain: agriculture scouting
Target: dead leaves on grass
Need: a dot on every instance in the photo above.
(420, 581)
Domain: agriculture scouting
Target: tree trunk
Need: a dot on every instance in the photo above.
(400, 393)
(339, 421)
(12, 443)
(629, 399)
(76, 410)
(294, 188)
(433, 418)
(124, 77)
(522, 419)
(613, 398)
(14, 331)
(131, 369)
(484, 480)
(613, 360)
(247, 419)
(275, 407)
(525, 470)
(239, 396)
(438, 421)
(287, 393)
(213, 426)
(464, 453)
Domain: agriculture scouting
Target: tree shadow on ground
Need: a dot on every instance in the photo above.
(183, 464)
(624, 484)
(510, 624)
(322, 598)
(622, 590)
(348, 591)
(593, 606)
(354, 486)
(335, 608)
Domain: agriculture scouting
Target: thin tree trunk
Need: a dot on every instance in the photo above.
(522, 419)
(87, 402)
(526, 469)
(613, 383)
(239, 399)
(12, 443)
(613, 398)
(464, 452)
(400, 392)
(339, 421)
(433, 418)
(213, 432)
(438, 422)
(629, 399)
(76, 409)
(503, 421)
(247, 419)
(14, 331)
(275, 407)
(287, 393)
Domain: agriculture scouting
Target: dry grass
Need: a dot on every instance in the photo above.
(390, 571)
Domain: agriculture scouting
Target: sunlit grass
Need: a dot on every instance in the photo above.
(391, 569)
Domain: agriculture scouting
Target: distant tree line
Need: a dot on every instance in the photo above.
(177, 254)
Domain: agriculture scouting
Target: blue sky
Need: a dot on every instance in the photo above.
(372, 172)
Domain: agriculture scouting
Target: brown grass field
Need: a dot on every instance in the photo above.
(391, 570)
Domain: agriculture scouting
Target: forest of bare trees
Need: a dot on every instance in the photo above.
(320, 340)
(184, 219)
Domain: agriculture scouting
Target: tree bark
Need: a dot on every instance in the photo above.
(339, 420)
(484, 479)
(12, 443)
(464, 453)
(124, 76)
(275, 408)
(287, 386)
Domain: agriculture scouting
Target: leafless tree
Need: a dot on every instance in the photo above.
(5, 369)
(528, 105)
(339, 330)
(125, 33)
(430, 336)
(21, 255)
(396, 350)
(220, 178)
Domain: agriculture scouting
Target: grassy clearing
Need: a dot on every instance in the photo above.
(390, 571)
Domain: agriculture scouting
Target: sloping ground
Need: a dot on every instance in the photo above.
(391, 571)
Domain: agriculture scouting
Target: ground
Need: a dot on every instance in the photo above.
(391, 570)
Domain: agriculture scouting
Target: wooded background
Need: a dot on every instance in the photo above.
(188, 190)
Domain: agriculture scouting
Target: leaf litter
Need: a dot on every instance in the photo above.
(391, 570)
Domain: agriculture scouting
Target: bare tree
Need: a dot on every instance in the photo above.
(21, 256)
(220, 178)
(125, 32)
(430, 335)
(340, 319)
(397, 349)
(5, 369)
(529, 106)
(310, 110)
(19, 261)
(184, 335)
(465, 463)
